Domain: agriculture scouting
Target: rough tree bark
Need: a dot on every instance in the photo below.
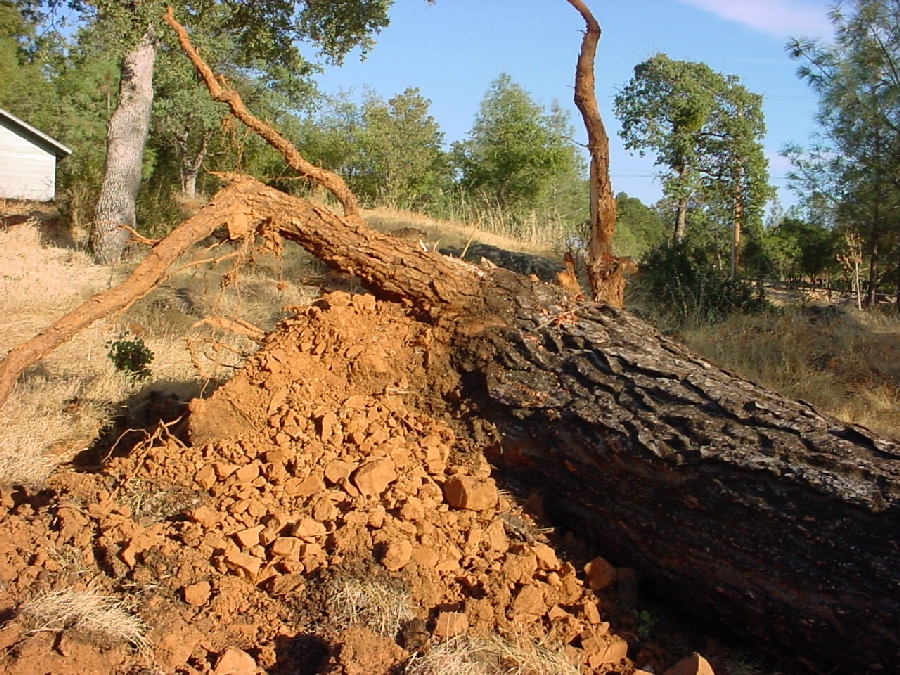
(681, 220)
(191, 163)
(752, 509)
(126, 137)
(605, 271)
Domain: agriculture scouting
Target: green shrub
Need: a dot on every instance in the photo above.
(680, 286)
(130, 356)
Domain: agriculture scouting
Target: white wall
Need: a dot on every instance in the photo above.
(26, 171)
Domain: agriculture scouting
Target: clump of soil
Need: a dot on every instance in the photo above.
(325, 517)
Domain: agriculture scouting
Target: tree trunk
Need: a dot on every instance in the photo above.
(736, 234)
(126, 137)
(190, 166)
(605, 271)
(874, 240)
(681, 220)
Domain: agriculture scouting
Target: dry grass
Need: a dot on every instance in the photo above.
(59, 405)
(88, 611)
(457, 233)
(492, 655)
(379, 607)
(846, 362)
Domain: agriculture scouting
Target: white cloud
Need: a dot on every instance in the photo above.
(780, 18)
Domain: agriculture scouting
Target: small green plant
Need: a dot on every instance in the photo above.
(130, 356)
(645, 622)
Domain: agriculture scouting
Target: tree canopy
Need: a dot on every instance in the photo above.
(705, 129)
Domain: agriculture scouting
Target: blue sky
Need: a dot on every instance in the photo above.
(454, 49)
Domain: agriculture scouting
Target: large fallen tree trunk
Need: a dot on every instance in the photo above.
(753, 509)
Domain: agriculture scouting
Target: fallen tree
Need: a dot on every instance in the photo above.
(749, 508)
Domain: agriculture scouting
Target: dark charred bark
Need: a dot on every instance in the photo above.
(737, 503)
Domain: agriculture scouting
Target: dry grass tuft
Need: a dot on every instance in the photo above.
(492, 655)
(88, 611)
(375, 605)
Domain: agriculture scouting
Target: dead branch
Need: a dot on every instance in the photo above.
(604, 269)
(222, 93)
(233, 325)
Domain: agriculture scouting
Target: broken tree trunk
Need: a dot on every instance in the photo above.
(605, 271)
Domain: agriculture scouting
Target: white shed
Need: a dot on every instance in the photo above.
(27, 160)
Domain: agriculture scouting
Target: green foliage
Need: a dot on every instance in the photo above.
(706, 130)
(638, 228)
(645, 622)
(131, 357)
(682, 286)
(516, 153)
(401, 151)
(852, 166)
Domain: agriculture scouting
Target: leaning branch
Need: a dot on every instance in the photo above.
(433, 284)
(224, 94)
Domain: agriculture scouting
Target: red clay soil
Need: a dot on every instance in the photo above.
(325, 461)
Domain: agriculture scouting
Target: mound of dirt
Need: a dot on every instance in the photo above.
(325, 517)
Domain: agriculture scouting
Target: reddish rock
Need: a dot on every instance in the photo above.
(247, 473)
(373, 477)
(205, 516)
(692, 665)
(326, 426)
(591, 613)
(286, 547)
(465, 492)
(338, 471)
(206, 477)
(425, 556)
(603, 649)
(310, 486)
(529, 600)
(451, 624)
(599, 574)
(309, 528)
(235, 662)
(241, 561)
(396, 554)
(250, 537)
(224, 470)
(197, 594)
